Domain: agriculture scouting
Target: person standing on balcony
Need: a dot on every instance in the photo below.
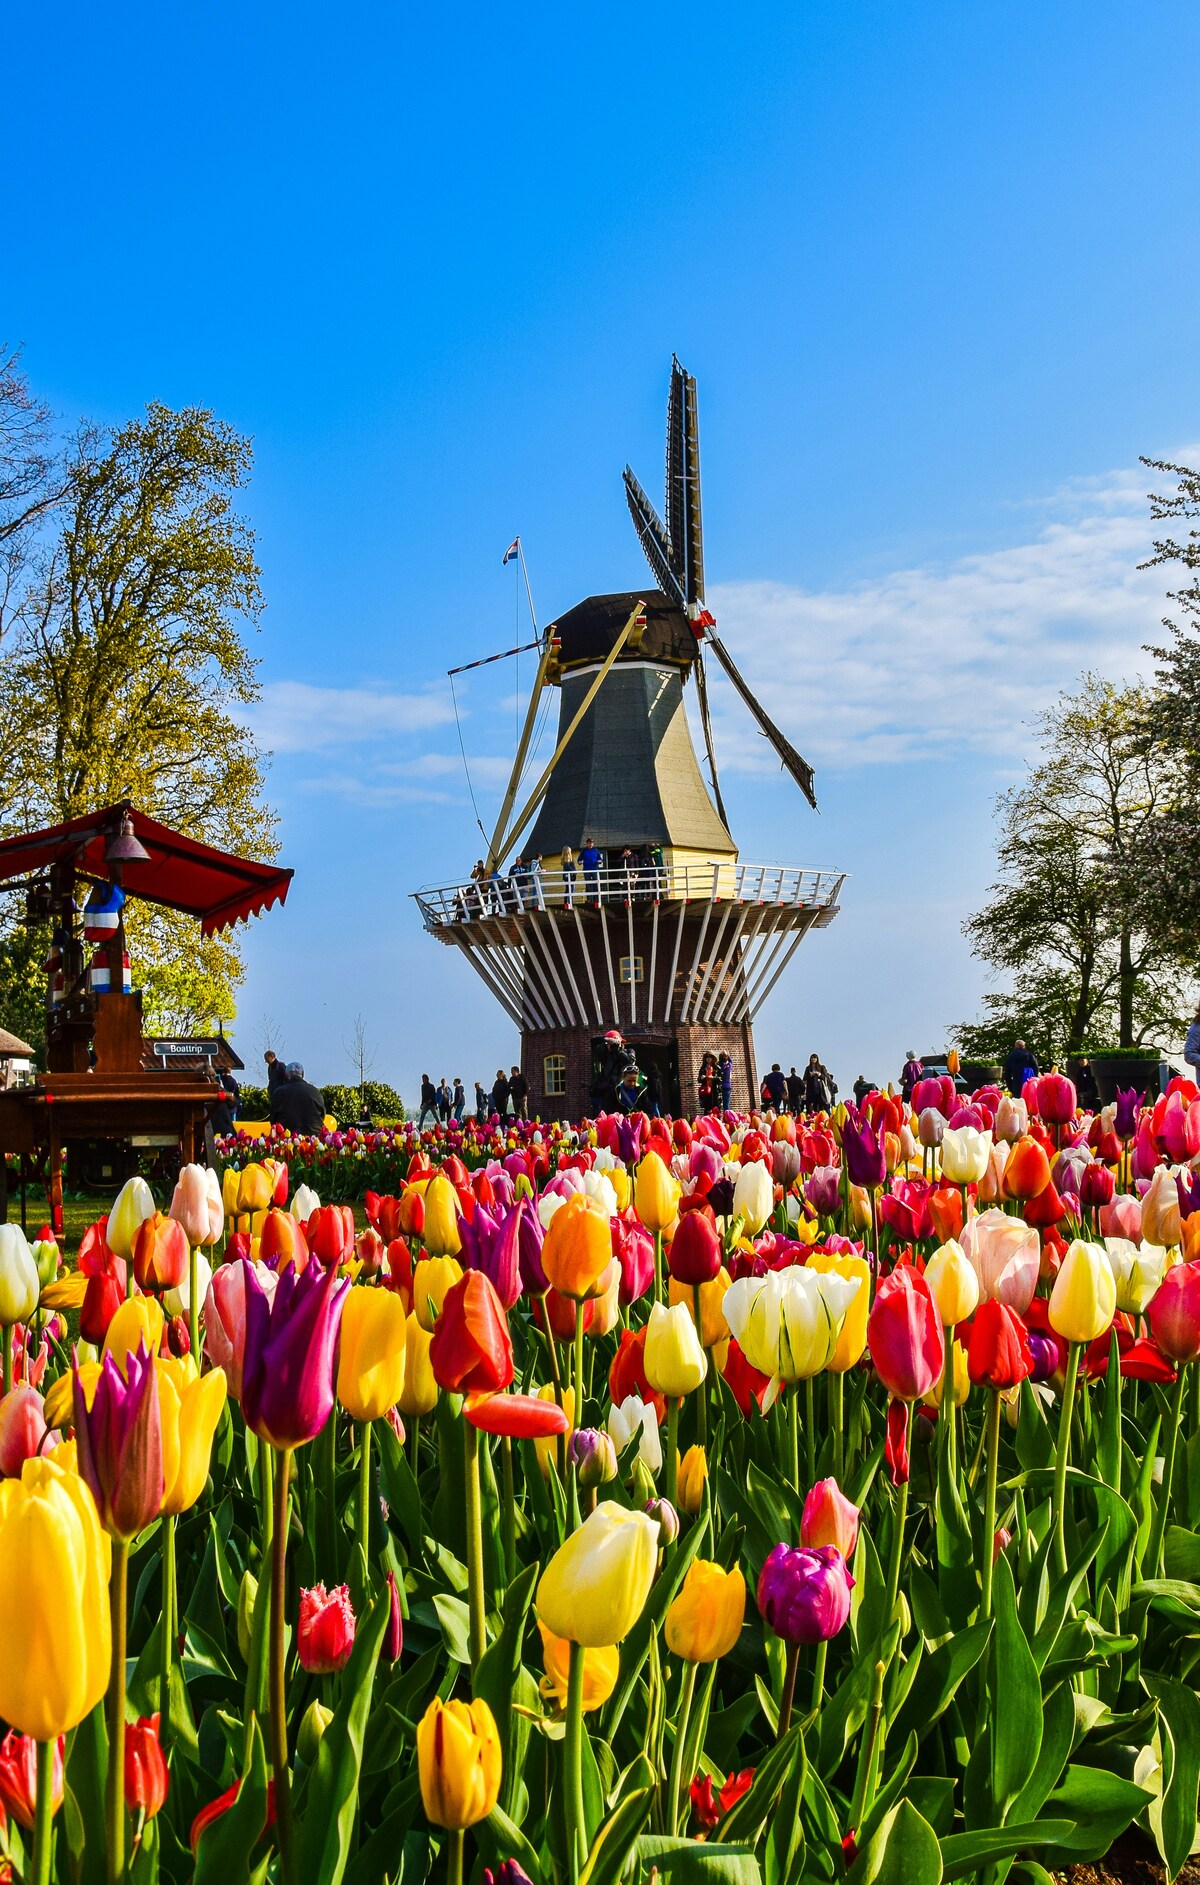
(568, 874)
(589, 857)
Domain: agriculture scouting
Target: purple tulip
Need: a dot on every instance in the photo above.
(630, 1133)
(1129, 1102)
(821, 1190)
(490, 1244)
(119, 1444)
(1045, 1355)
(530, 1236)
(804, 1592)
(704, 1161)
(291, 1341)
(594, 1456)
(507, 1873)
(863, 1152)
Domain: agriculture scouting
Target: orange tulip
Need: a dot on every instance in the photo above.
(578, 1248)
(1027, 1172)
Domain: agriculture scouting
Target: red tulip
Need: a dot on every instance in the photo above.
(694, 1254)
(207, 1815)
(368, 1247)
(518, 1416)
(331, 1234)
(325, 1635)
(282, 1241)
(22, 1429)
(160, 1253)
(101, 1300)
(1174, 1313)
(904, 1334)
(633, 1247)
(471, 1346)
(1096, 1186)
(383, 1215)
(627, 1374)
(146, 1777)
(18, 1776)
(945, 1207)
(747, 1384)
(998, 1349)
(1046, 1209)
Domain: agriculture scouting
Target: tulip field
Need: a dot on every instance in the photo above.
(749, 1500)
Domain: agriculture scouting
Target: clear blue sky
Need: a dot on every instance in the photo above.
(934, 266)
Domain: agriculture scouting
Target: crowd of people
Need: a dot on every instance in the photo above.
(529, 885)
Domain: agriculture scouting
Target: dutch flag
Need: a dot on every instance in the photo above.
(514, 549)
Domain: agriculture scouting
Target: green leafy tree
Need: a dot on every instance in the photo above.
(127, 671)
(1069, 924)
(1172, 863)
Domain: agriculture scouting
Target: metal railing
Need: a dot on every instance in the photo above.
(529, 890)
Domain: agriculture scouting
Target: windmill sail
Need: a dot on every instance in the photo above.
(675, 553)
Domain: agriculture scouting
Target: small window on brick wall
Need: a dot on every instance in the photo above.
(554, 1076)
(632, 969)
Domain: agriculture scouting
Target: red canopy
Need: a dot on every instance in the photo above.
(180, 873)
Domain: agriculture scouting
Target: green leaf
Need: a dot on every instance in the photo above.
(227, 1843)
(1108, 1449)
(845, 1712)
(785, 1836)
(691, 1863)
(938, 1679)
(323, 1845)
(1058, 1738)
(87, 1760)
(502, 1839)
(957, 1582)
(455, 1620)
(1180, 1712)
(1035, 1442)
(1016, 1697)
(496, 1680)
(1181, 1555)
(963, 1853)
(747, 1816)
(403, 1494)
(1099, 1805)
(611, 1849)
(903, 1850)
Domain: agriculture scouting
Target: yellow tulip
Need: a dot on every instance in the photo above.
(656, 1193)
(1083, 1301)
(190, 1405)
(547, 1447)
(458, 1761)
(255, 1188)
(852, 1337)
(622, 1185)
(370, 1377)
(713, 1326)
(419, 1389)
(59, 1408)
(691, 1480)
(601, 1668)
(441, 1236)
(578, 1248)
(962, 1381)
(674, 1361)
(65, 1292)
(433, 1278)
(55, 1642)
(134, 1201)
(953, 1283)
(705, 1620)
(230, 1180)
(138, 1323)
(595, 1586)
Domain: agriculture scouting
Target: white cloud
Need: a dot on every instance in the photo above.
(294, 717)
(926, 660)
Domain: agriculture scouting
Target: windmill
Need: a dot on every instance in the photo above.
(625, 909)
(675, 553)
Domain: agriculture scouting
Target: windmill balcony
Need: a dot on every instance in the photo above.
(775, 887)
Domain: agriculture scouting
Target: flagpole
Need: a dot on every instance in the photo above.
(528, 590)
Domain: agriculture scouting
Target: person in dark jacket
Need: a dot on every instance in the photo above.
(500, 1093)
(795, 1091)
(629, 1093)
(725, 1069)
(296, 1105)
(775, 1086)
(223, 1117)
(429, 1102)
(1086, 1090)
(518, 1087)
(481, 1103)
(862, 1086)
(1019, 1066)
(816, 1093)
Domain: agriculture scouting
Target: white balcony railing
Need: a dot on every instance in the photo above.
(521, 892)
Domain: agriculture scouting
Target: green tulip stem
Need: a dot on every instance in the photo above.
(510, 1510)
(1162, 1510)
(454, 1857)
(8, 1358)
(1063, 1456)
(364, 1492)
(658, 1266)
(672, 1460)
(836, 1417)
(194, 1303)
(43, 1824)
(578, 1420)
(793, 1407)
(278, 1670)
(266, 1493)
(818, 1694)
(791, 1664)
(682, 1718)
(989, 1501)
(573, 1750)
(899, 1514)
(474, 1547)
(810, 1432)
(167, 1625)
(414, 1443)
(114, 1792)
(947, 1411)
(860, 1804)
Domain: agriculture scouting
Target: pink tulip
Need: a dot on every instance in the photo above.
(22, 1429)
(830, 1518)
(706, 1161)
(1145, 1148)
(1173, 1313)
(905, 1335)
(1054, 1098)
(1012, 1119)
(1005, 1254)
(225, 1319)
(189, 1205)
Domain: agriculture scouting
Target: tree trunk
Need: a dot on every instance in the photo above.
(1081, 1018)
(1128, 983)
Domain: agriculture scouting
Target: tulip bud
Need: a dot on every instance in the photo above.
(458, 1762)
(441, 1235)
(393, 1641)
(46, 1259)
(160, 1253)
(146, 1777)
(134, 1201)
(18, 1777)
(1084, 1298)
(753, 1197)
(830, 1518)
(674, 1360)
(965, 1154)
(704, 1620)
(419, 1392)
(666, 1518)
(22, 1429)
(953, 1284)
(19, 1286)
(691, 1479)
(694, 1254)
(304, 1203)
(594, 1456)
(189, 1204)
(1160, 1210)
(313, 1724)
(804, 1593)
(641, 1484)
(656, 1194)
(247, 1595)
(432, 1281)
